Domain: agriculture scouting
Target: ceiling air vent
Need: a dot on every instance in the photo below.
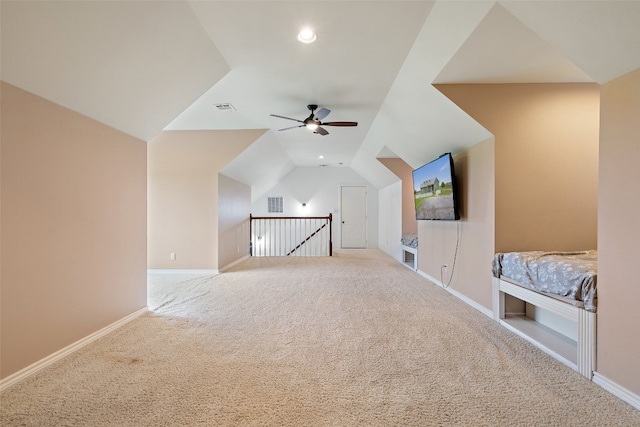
(225, 107)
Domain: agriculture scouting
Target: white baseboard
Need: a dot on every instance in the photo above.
(610, 386)
(457, 294)
(617, 390)
(181, 271)
(60, 354)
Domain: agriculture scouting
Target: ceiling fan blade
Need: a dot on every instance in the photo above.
(293, 127)
(340, 124)
(321, 131)
(288, 118)
(322, 113)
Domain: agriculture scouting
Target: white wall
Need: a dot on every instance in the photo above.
(319, 188)
(234, 202)
(390, 217)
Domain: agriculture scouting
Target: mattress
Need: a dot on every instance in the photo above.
(571, 275)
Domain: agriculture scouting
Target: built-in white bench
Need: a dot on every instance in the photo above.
(410, 257)
(562, 330)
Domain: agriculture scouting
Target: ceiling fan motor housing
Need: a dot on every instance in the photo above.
(311, 122)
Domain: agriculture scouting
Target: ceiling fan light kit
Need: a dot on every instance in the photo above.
(313, 122)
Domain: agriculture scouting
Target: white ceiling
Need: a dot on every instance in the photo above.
(141, 67)
(132, 65)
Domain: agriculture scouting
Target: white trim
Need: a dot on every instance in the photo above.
(580, 355)
(228, 266)
(180, 271)
(617, 390)
(414, 251)
(561, 308)
(60, 354)
(610, 386)
(482, 309)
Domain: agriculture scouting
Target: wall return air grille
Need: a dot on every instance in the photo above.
(274, 205)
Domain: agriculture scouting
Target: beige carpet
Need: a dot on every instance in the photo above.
(353, 340)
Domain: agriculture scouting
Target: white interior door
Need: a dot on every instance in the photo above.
(353, 229)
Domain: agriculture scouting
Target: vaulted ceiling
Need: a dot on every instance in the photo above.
(145, 66)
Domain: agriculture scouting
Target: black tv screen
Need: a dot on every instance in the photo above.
(434, 190)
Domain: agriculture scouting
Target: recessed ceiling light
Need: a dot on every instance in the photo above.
(307, 35)
(321, 156)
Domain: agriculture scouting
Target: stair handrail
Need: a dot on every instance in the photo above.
(307, 239)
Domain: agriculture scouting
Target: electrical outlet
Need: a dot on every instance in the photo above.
(173, 256)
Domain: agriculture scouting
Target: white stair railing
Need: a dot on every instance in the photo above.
(290, 236)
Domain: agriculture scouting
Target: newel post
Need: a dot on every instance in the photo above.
(250, 238)
(330, 235)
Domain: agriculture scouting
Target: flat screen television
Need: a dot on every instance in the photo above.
(434, 190)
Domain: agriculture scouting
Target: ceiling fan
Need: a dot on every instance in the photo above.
(313, 122)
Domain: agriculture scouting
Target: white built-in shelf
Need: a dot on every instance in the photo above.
(578, 352)
(549, 340)
(410, 257)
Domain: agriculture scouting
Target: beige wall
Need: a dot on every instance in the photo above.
(234, 200)
(546, 160)
(183, 195)
(403, 171)
(618, 357)
(470, 274)
(73, 227)
(551, 140)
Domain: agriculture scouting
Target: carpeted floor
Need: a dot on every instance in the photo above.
(352, 340)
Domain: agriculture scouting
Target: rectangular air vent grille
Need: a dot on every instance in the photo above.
(225, 107)
(274, 205)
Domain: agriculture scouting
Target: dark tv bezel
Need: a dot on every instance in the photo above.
(454, 190)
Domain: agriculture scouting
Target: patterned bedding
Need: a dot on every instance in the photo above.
(571, 275)
(409, 240)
